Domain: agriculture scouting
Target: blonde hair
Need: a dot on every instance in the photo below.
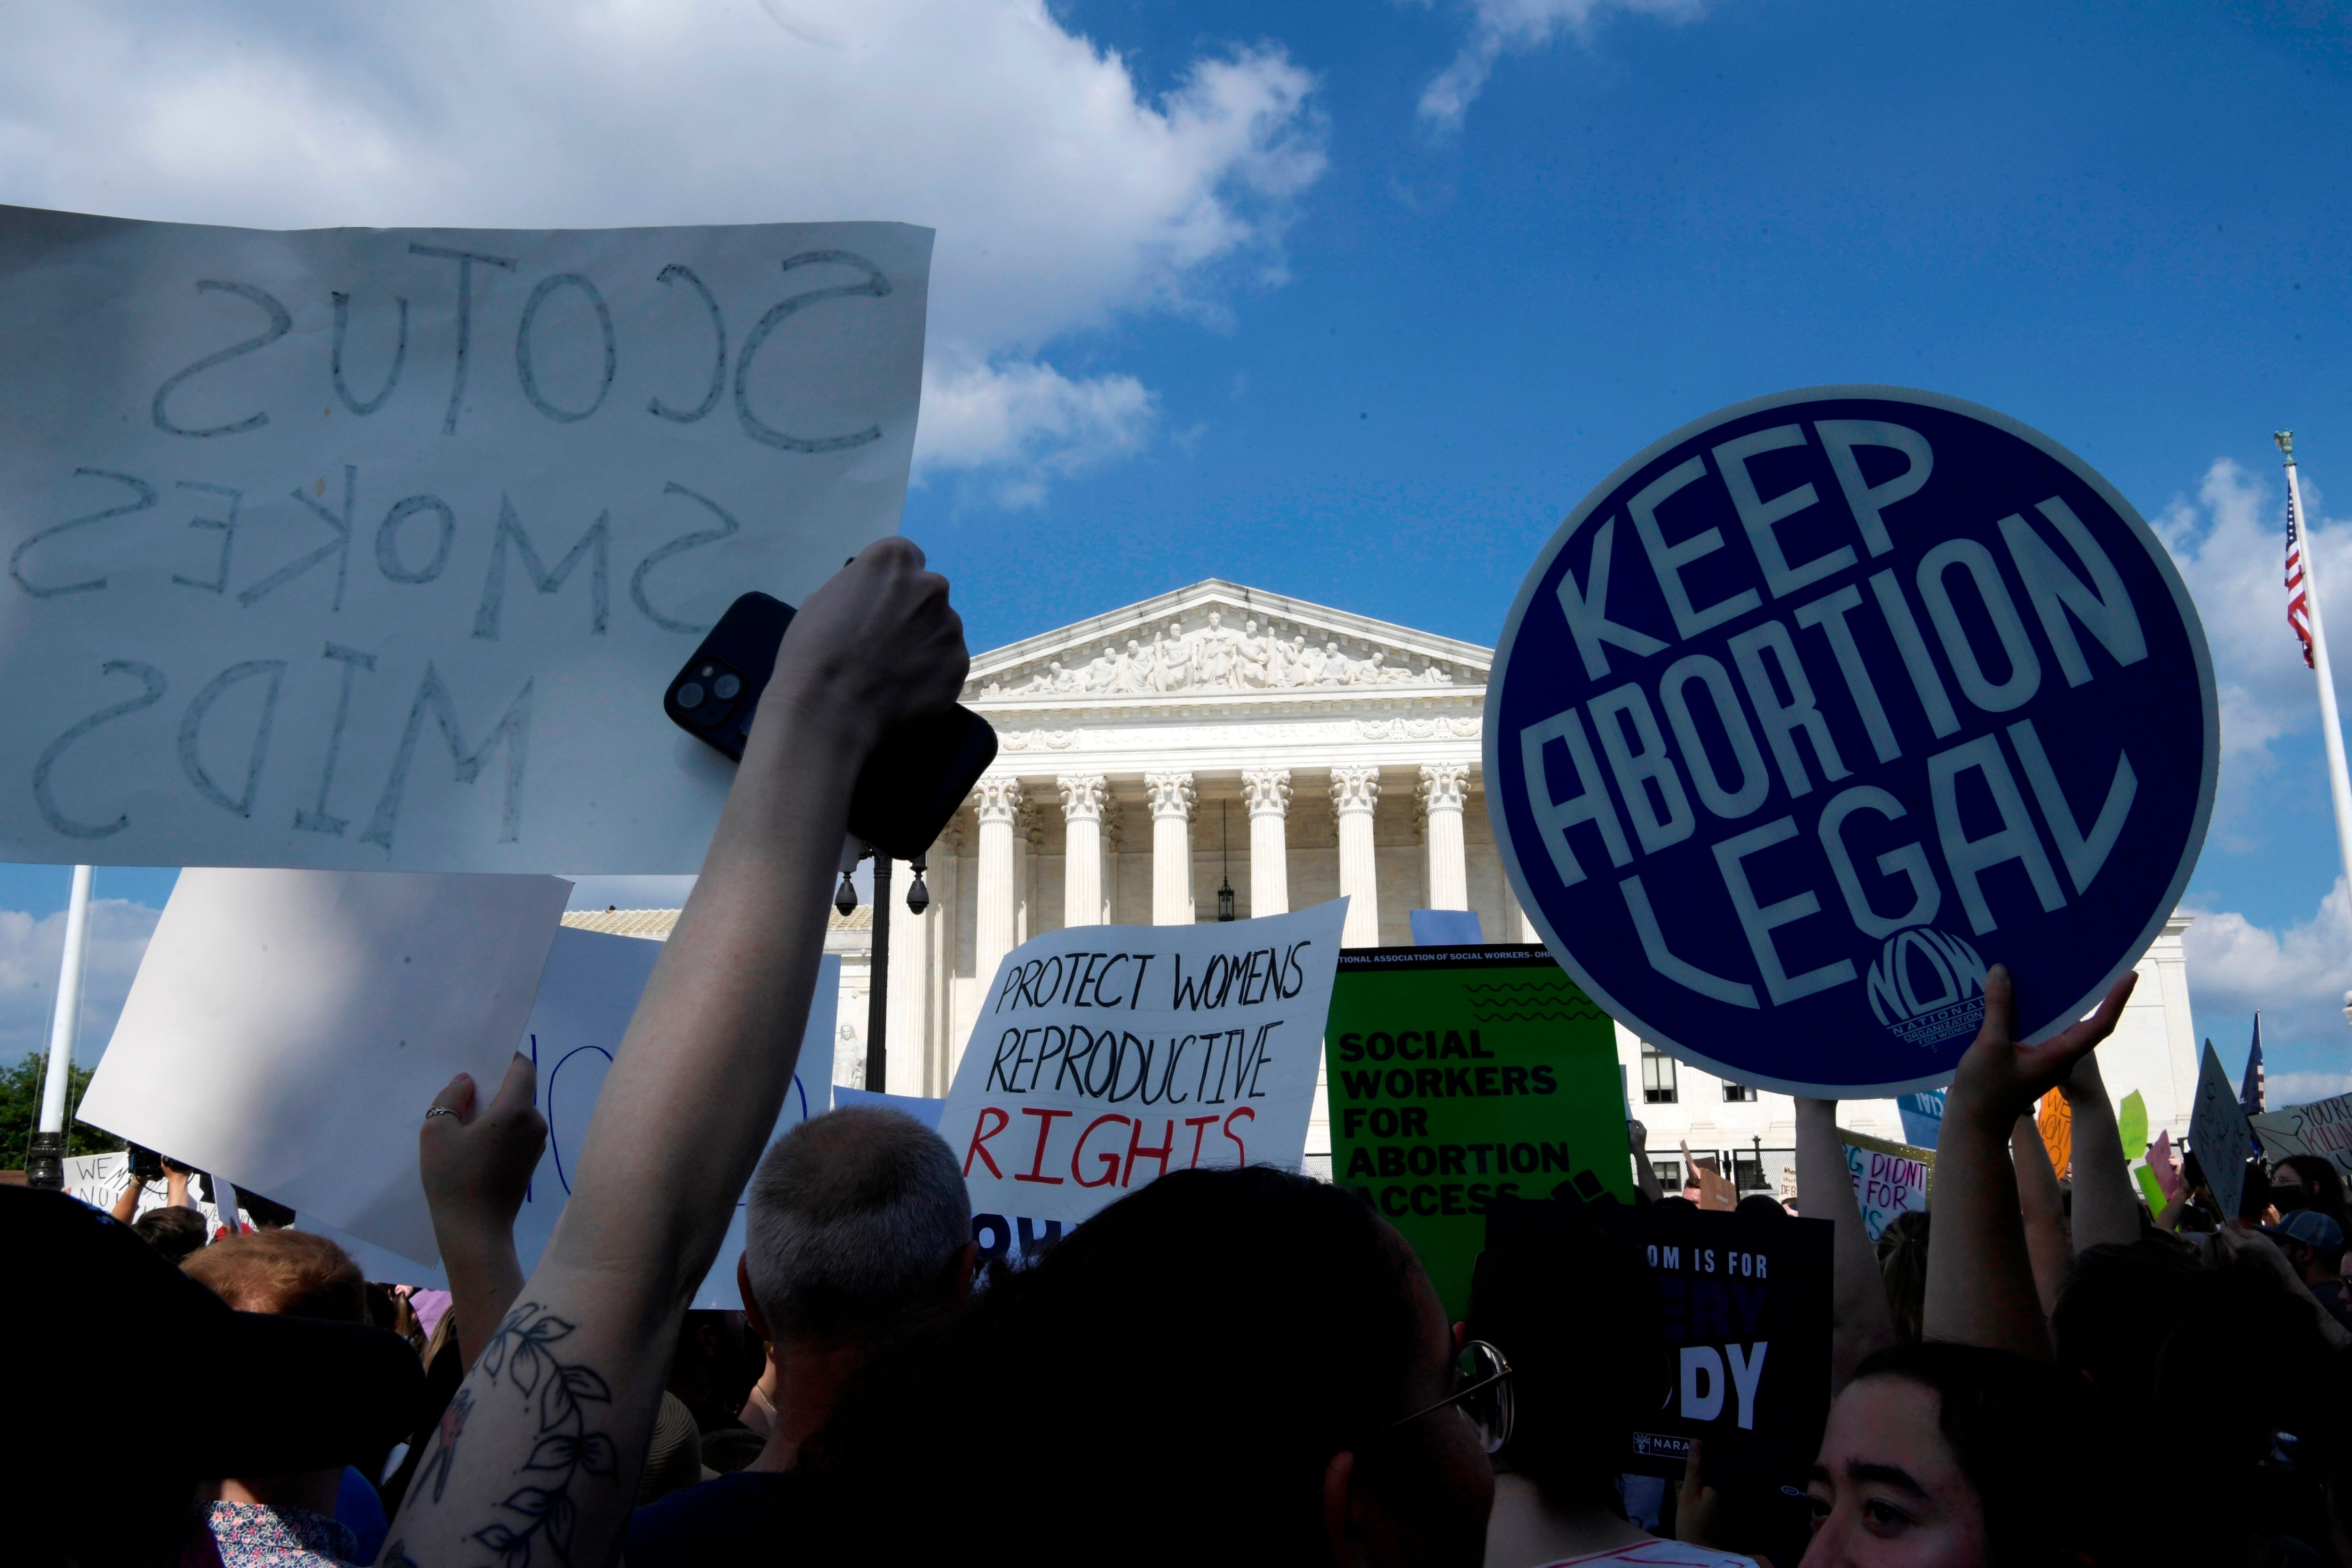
(291, 1273)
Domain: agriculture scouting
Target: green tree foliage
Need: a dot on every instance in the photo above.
(20, 1112)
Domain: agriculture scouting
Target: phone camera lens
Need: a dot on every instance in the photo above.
(689, 696)
(706, 671)
(726, 687)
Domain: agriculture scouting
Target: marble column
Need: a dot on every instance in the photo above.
(997, 804)
(908, 1066)
(1173, 799)
(1442, 786)
(1355, 791)
(1082, 863)
(1267, 792)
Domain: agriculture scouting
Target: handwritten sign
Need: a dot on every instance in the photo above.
(2219, 1134)
(375, 549)
(2323, 1127)
(1826, 703)
(286, 1029)
(1889, 1179)
(1106, 1055)
(98, 1180)
(586, 998)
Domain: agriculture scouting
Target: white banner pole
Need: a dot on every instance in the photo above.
(2339, 780)
(43, 1162)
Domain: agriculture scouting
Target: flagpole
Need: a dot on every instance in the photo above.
(2340, 779)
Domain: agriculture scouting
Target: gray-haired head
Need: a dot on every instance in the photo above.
(855, 1217)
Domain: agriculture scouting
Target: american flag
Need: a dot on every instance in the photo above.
(2298, 601)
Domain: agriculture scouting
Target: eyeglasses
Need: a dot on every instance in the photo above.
(1481, 1390)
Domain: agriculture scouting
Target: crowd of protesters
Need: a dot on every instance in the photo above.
(1244, 1367)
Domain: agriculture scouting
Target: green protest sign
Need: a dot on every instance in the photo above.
(1461, 1074)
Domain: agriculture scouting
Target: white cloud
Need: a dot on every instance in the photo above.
(2296, 977)
(2229, 544)
(1496, 26)
(30, 950)
(2301, 1087)
(1062, 196)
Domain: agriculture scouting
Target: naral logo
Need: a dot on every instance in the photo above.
(1927, 987)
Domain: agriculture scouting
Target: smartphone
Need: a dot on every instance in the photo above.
(146, 1165)
(919, 775)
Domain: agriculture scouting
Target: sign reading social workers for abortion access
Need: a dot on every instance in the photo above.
(375, 549)
(1825, 703)
(1106, 1056)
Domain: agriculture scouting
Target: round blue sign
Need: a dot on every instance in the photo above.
(1827, 702)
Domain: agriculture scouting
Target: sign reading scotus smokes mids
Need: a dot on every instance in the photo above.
(374, 549)
(1822, 705)
(1106, 1055)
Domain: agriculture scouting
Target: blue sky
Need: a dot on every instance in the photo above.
(1310, 322)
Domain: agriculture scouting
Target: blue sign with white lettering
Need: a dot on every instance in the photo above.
(1825, 703)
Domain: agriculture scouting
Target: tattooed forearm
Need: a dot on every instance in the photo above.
(524, 1356)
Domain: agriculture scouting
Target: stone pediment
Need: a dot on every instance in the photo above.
(1221, 637)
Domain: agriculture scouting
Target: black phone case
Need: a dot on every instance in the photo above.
(920, 773)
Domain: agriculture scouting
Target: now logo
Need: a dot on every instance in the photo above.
(1926, 987)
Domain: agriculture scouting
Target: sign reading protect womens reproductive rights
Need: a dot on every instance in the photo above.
(1825, 703)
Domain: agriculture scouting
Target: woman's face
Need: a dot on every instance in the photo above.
(1887, 1491)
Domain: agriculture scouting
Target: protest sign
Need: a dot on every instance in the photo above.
(1889, 1179)
(1922, 1113)
(2056, 1125)
(2323, 1127)
(99, 1179)
(286, 1029)
(377, 547)
(586, 1001)
(2219, 1134)
(1746, 1318)
(1457, 1074)
(1105, 1055)
(1824, 703)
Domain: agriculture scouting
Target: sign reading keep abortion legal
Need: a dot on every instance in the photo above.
(1823, 704)
(374, 549)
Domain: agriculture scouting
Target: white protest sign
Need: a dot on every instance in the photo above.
(286, 1029)
(586, 1001)
(1889, 1179)
(376, 549)
(1105, 1055)
(2219, 1135)
(2323, 1127)
(98, 1180)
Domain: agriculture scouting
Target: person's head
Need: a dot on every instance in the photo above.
(1762, 1206)
(174, 1230)
(1947, 1455)
(1242, 1365)
(858, 1228)
(1546, 1302)
(289, 1272)
(2309, 1182)
(1903, 1266)
(2312, 1241)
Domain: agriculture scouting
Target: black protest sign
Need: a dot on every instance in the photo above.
(1746, 1304)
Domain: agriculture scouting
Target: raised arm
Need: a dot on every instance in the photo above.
(2107, 1204)
(2043, 1210)
(477, 1163)
(540, 1459)
(1980, 1279)
(1645, 1175)
(1861, 1322)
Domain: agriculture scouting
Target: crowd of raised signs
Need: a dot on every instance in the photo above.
(1240, 1366)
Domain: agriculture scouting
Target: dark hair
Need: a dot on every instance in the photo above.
(1171, 1380)
(174, 1230)
(2121, 1302)
(1584, 1327)
(1762, 1206)
(2028, 1437)
(2316, 1185)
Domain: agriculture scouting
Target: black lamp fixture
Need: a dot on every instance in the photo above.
(844, 897)
(918, 897)
(1226, 887)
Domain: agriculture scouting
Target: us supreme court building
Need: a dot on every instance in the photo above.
(1222, 736)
